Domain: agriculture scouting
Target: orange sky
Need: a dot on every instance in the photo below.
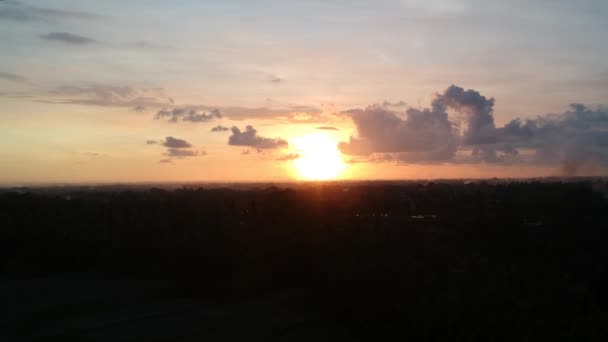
(87, 95)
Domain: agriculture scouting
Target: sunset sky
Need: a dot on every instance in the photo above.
(138, 91)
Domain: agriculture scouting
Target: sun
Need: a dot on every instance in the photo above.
(319, 157)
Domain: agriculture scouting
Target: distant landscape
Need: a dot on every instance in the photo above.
(354, 260)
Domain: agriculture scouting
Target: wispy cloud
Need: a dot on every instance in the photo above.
(144, 98)
(287, 157)
(68, 38)
(188, 114)
(9, 76)
(220, 128)
(20, 12)
(105, 95)
(275, 79)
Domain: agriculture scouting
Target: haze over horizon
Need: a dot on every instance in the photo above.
(154, 91)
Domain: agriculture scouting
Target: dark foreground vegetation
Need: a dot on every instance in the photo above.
(520, 261)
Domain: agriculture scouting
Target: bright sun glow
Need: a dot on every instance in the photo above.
(319, 158)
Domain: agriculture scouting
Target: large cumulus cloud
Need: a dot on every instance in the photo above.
(478, 110)
(574, 139)
(421, 135)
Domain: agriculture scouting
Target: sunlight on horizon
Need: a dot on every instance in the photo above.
(319, 157)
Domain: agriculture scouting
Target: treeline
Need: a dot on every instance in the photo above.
(435, 260)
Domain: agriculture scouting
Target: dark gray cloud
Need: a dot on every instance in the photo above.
(220, 128)
(575, 140)
(178, 148)
(68, 38)
(250, 138)
(287, 157)
(9, 76)
(172, 142)
(478, 109)
(188, 114)
(328, 128)
(17, 11)
(182, 153)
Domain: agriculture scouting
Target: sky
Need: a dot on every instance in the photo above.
(279, 90)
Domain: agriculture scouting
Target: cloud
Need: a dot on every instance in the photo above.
(17, 11)
(9, 76)
(426, 135)
(394, 104)
(177, 148)
(151, 142)
(328, 128)
(220, 128)
(423, 135)
(103, 95)
(182, 153)
(574, 141)
(106, 95)
(397, 106)
(166, 161)
(141, 98)
(250, 138)
(189, 114)
(68, 38)
(478, 109)
(148, 45)
(93, 154)
(287, 157)
(288, 113)
(172, 142)
(205, 113)
(275, 79)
